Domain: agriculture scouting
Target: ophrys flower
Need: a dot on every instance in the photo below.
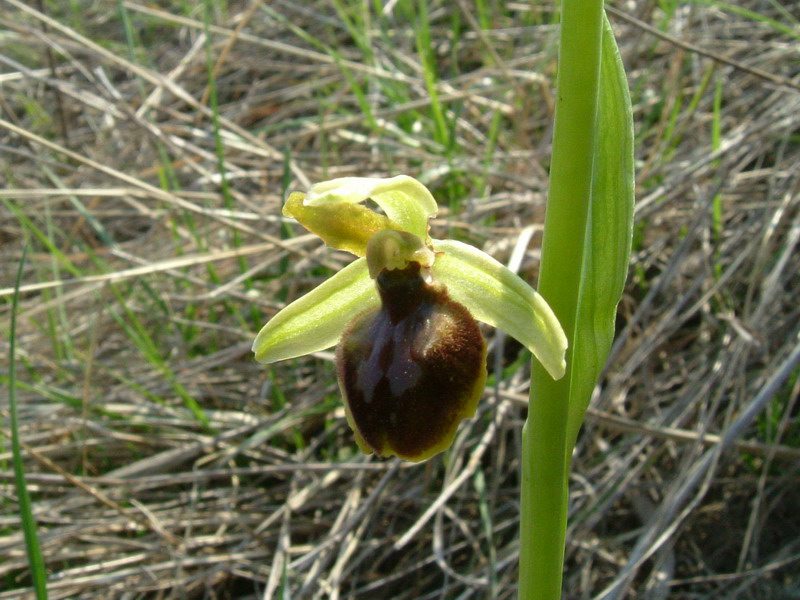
(411, 360)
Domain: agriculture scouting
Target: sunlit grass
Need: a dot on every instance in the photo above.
(36, 563)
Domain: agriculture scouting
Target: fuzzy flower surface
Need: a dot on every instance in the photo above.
(411, 360)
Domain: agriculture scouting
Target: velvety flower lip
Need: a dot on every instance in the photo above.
(404, 315)
(411, 371)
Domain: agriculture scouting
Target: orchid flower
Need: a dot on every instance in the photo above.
(411, 360)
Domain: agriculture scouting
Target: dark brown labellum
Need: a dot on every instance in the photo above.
(411, 370)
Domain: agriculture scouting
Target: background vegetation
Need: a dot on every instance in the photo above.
(145, 151)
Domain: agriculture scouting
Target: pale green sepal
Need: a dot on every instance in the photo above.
(317, 320)
(405, 200)
(499, 297)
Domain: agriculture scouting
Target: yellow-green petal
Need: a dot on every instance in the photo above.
(499, 297)
(317, 320)
(406, 202)
(342, 226)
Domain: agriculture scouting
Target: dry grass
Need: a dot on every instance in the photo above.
(152, 268)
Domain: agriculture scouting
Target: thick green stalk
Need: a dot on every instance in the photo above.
(545, 457)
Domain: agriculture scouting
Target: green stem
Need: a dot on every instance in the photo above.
(545, 456)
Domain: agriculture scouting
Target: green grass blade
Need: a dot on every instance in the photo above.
(755, 16)
(426, 55)
(219, 147)
(610, 232)
(35, 559)
(52, 248)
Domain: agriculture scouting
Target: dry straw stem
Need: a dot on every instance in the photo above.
(136, 297)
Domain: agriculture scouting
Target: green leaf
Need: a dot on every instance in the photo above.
(607, 251)
(499, 297)
(317, 320)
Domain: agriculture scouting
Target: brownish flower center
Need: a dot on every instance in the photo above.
(411, 370)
